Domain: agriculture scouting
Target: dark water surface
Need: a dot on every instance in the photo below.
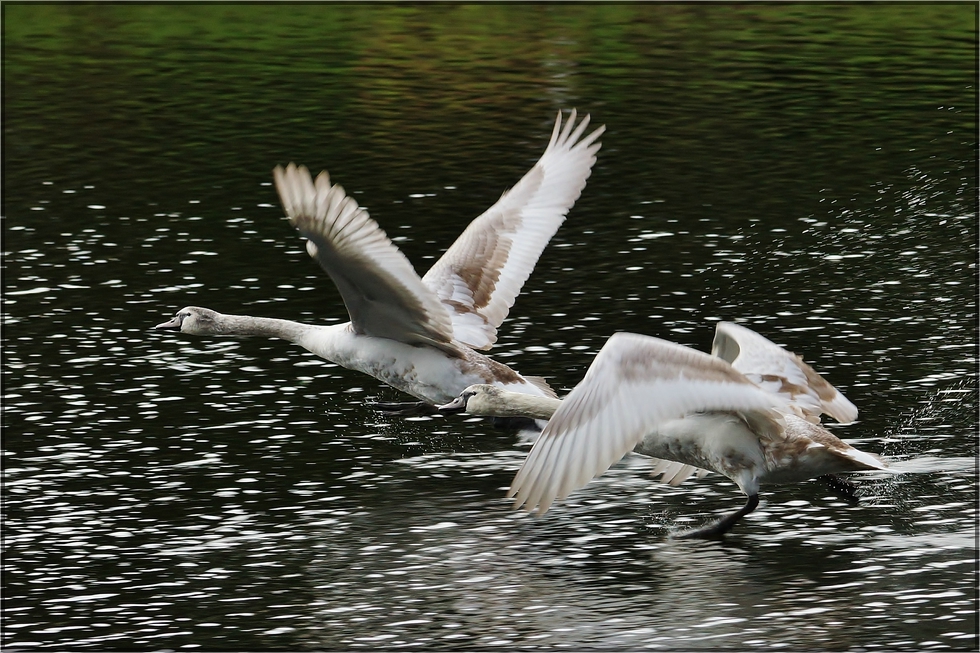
(809, 170)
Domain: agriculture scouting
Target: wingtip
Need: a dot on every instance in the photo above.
(842, 409)
(569, 126)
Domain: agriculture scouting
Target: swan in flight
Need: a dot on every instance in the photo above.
(750, 411)
(421, 335)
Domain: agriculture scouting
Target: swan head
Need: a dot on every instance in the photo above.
(194, 320)
(479, 399)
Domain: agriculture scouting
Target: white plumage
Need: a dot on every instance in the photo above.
(781, 372)
(419, 334)
(690, 411)
(482, 273)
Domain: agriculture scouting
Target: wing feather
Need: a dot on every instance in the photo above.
(381, 290)
(481, 274)
(780, 371)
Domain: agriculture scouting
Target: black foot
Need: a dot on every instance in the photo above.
(404, 409)
(842, 487)
(717, 529)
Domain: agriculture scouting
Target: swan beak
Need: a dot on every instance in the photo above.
(457, 405)
(170, 324)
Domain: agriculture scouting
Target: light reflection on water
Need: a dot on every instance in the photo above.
(423, 550)
(166, 491)
(152, 473)
(163, 492)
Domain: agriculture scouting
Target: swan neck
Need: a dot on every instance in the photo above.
(267, 327)
(525, 405)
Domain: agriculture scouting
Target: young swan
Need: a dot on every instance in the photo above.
(749, 412)
(420, 335)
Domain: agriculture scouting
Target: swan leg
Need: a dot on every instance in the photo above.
(718, 528)
(404, 408)
(844, 488)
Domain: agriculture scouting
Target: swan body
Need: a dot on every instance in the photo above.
(423, 372)
(421, 334)
(691, 412)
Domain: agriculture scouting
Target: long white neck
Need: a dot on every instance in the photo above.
(269, 327)
(514, 404)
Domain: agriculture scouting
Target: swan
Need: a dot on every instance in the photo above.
(750, 411)
(421, 335)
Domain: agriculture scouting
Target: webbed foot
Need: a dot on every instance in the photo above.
(718, 528)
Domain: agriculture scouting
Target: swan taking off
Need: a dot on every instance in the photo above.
(750, 411)
(420, 335)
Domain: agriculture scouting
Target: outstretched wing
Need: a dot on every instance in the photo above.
(382, 292)
(781, 372)
(635, 383)
(481, 274)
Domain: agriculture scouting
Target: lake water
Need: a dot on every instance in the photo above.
(808, 170)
